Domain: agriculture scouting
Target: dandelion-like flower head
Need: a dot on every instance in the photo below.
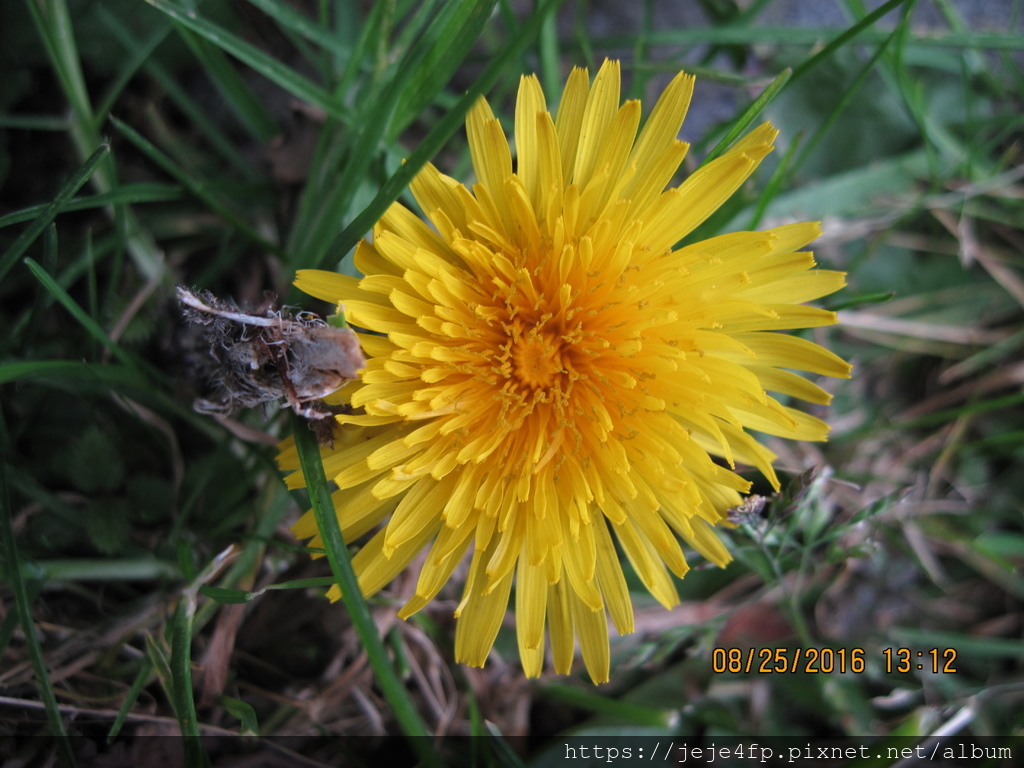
(548, 375)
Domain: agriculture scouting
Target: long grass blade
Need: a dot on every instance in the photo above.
(273, 70)
(380, 120)
(235, 90)
(840, 40)
(198, 187)
(24, 609)
(437, 137)
(49, 212)
(302, 25)
(181, 674)
(129, 194)
(53, 21)
(454, 33)
(750, 114)
(91, 326)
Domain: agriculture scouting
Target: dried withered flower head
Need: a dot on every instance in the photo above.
(255, 359)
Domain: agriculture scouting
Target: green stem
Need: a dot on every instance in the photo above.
(341, 566)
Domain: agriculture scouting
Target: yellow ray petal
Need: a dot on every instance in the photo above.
(592, 627)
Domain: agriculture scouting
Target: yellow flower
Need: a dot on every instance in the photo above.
(548, 375)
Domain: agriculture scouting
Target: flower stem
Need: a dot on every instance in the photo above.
(341, 566)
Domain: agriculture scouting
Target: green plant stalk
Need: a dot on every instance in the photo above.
(341, 566)
(24, 609)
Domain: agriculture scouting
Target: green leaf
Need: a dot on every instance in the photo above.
(107, 526)
(92, 462)
(244, 712)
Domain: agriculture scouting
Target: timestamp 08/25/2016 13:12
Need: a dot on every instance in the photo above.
(830, 660)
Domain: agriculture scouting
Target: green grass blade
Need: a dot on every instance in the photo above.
(137, 383)
(589, 699)
(217, 137)
(181, 674)
(809, 36)
(141, 52)
(341, 566)
(129, 194)
(848, 94)
(976, 407)
(302, 25)
(24, 610)
(88, 569)
(49, 213)
(13, 619)
(273, 70)
(91, 326)
(198, 187)
(232, 596)
(53, 21)
(775, 182)
(26, 122)
(245, 714)
(550, 71)
(380, 120)
(840, 40)
(230, 84)
(750, 114)
(453, 33)
(437, 137)
(141, 678)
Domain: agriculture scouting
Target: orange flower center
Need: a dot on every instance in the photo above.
(537, 359)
